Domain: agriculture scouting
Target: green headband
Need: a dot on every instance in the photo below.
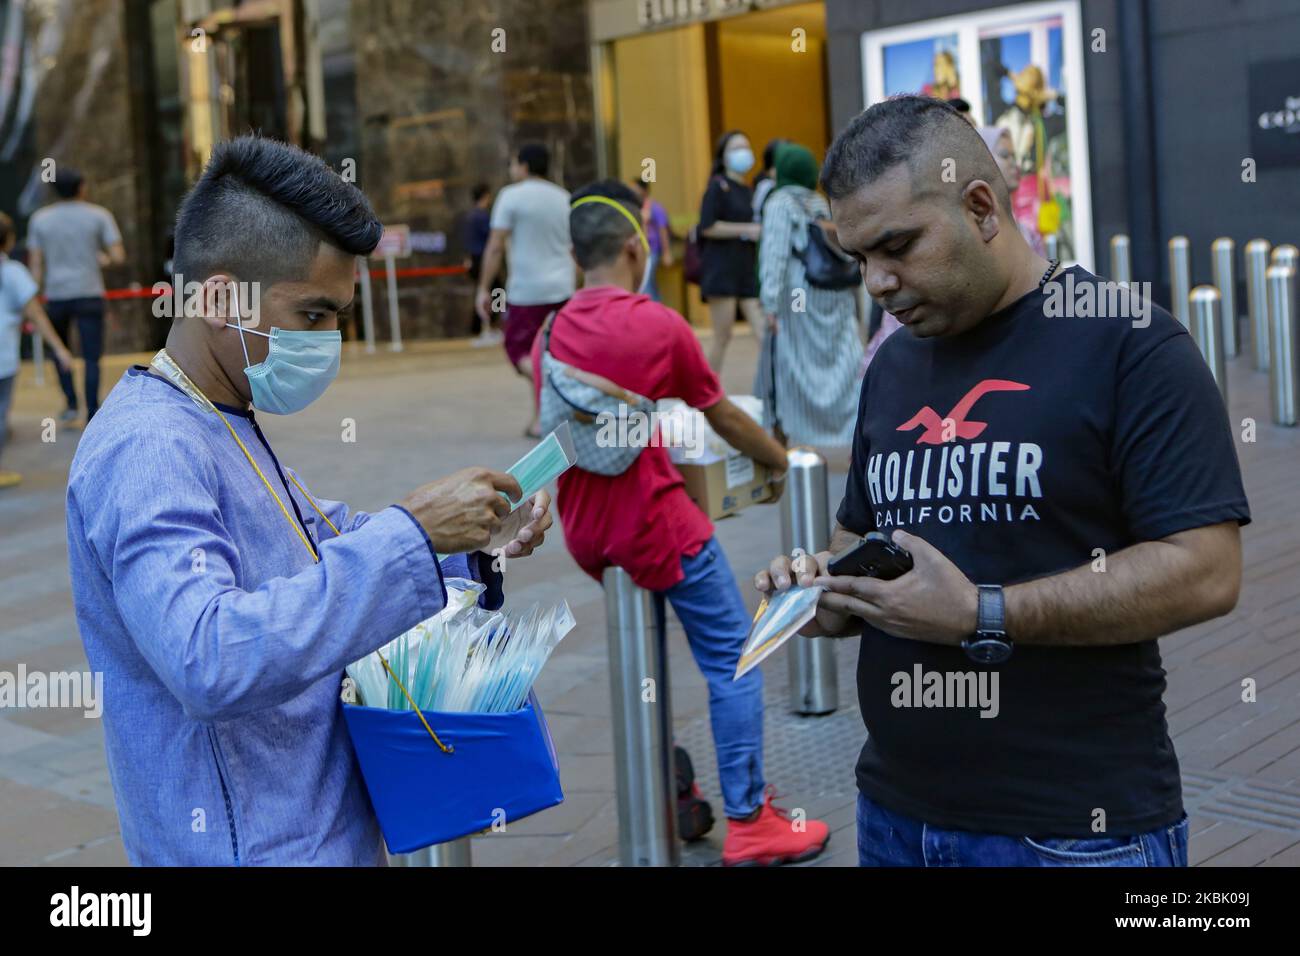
(640, 233)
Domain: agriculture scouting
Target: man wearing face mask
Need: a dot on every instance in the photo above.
(218, 596)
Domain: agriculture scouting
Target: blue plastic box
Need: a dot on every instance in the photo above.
(422, 796)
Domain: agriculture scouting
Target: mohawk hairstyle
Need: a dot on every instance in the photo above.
(261, 209)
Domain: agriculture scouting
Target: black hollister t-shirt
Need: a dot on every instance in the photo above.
(1018, 449)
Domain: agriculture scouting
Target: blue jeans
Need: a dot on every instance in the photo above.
(89, 316)
(6, 396)
(708, 603)
(886, 838)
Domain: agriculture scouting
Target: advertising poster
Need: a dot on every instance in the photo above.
(1021, 69)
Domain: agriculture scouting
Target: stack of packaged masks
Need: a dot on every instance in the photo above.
(464, 659)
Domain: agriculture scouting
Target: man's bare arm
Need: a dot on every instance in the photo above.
(492, 255)
(1147, 590)
(745, 435)
(36, 265)
(34, 313)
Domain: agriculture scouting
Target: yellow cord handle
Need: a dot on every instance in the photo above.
(443, 747)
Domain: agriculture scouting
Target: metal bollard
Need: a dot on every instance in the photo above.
(1285, 255)
(1121, 264)
(1207, 331)
(367, 305)
(455, 853)
(805, 523)
(1256, 257)
(394, 316)
(38, 360)
(1180, 276)
(1050, 245)
(1285, 368)
(1223, 258)
(647, 808)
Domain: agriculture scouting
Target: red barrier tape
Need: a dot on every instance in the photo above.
(129, 294)
(421, 271)
(410, 273)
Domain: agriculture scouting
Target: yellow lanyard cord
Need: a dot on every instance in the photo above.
(283, 510)
(174, 372)
(316, 557)
(311, 501)
(419, 713)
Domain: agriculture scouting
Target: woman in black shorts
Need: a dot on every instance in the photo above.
(728, 244)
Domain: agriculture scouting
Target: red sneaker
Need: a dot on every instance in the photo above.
(773, 838)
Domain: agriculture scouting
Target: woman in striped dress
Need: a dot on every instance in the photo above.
(810, 367)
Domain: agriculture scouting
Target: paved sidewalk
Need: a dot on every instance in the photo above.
(436, 408)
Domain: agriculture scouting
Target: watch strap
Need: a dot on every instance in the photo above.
(991, 617)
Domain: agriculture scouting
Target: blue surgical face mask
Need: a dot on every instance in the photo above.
(299, 366)
(740, 161)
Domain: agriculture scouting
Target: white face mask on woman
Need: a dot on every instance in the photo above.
(739, 161)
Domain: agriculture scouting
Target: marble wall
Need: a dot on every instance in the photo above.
(444, 91)
(437, 101)
(82, 117)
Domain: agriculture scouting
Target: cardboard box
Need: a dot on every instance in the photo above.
(724, 487)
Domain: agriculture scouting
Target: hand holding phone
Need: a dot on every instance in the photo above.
(874, 556)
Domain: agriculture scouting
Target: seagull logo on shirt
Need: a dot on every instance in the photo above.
(956, 424)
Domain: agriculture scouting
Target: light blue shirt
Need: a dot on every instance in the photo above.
(222, 643)
(16, 289)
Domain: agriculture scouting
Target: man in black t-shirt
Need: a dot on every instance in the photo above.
(1063, 466)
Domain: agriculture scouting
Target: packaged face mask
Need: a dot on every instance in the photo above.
(552, 457)
(777, 619)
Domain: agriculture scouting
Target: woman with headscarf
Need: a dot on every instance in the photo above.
(809, 368)
(998, 140)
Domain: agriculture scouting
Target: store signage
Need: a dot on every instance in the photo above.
(612, 19)
(1274, 102)
(395, 242)
(658, 13)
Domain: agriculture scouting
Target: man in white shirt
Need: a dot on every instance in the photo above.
(532, 215)
(68, 243)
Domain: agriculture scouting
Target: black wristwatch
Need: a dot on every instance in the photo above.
(990, 645)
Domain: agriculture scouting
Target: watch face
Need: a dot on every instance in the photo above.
(987, 649)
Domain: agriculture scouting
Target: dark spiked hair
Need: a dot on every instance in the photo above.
(916, 131)
(262, 208)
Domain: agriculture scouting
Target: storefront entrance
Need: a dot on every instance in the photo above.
(666, 96)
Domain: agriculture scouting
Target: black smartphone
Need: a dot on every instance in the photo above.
(872, 557)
